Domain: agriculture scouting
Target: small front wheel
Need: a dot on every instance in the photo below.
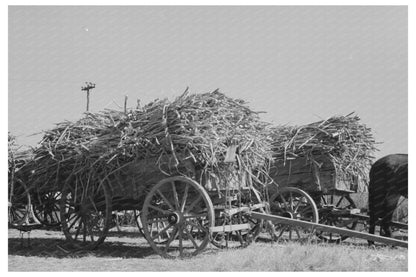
(296, 204)
(46, 207)
(177, 216)
(332, 207)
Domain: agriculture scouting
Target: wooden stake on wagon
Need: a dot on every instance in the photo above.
(89, 86)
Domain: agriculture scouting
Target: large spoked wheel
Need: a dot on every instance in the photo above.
(85, 214)
(335, 212)
(296, 204)
(177, 216)
(46, 208)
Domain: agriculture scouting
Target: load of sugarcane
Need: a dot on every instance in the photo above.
(17, 156)
(344, 139)
(194, 127)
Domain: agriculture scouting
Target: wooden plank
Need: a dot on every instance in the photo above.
(233, 211)
(399, 225)
(345, 212)
(327, 228)
(396, 224)
(230, 228)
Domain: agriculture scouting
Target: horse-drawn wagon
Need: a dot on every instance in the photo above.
(187, 165)
(179, 215)
(197, 169)
(319, 167)
(327, 197)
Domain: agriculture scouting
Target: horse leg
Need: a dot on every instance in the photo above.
(373, 209)
(372, 226)
(390, 204)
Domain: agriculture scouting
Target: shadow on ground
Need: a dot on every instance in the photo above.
(58, 248)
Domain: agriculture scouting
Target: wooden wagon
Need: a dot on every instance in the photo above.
(314, 189)
(180, 213)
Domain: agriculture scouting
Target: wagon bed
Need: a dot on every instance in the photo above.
(317, 174)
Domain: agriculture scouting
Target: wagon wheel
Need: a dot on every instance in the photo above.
(237, 238)
(85, 214)
(331, 213)
(18, 202)
(46, 208)
(293, 203)
(188, 211)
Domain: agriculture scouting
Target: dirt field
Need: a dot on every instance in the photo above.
(127, 251)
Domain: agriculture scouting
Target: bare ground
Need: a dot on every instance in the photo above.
(129, 251)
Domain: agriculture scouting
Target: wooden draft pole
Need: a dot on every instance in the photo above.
(327, 228)
(88, 86)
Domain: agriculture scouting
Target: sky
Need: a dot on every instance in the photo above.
(299, 64)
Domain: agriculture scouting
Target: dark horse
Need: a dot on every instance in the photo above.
(388, 181)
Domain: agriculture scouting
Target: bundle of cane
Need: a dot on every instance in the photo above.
(197, 127)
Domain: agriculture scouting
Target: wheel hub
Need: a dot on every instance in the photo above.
(174, 218)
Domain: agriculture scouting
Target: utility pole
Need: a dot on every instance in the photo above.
(125, 104)
(88, 86)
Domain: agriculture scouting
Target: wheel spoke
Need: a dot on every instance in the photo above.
(73, 222)
(164, 226)
(185, 196)
(93, 204)
(297, 232)
(84, 233)
(78, 229)
(56, 215)
(278, 206)
(196, 201)
(161, 232)
(291, 201)
(297, 206)
(283, 201)
(198, 226)
(282, 231)
(175, 196)
(323, 198)
(158, 209)
(166, 200)
(175, 233)
(306, 208)
(180, 241)
(191, 238)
